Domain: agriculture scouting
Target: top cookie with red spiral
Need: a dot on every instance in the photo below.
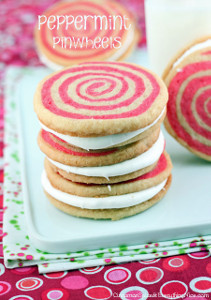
(99, 99)
(188, 78)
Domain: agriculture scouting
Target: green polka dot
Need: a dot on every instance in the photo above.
(15, 156)
(177, 244)
(100, 255)
(12, 105)
(13, 221)
(80, 261)
(123, 248)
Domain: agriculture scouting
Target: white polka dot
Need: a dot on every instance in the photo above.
(56, 275)
(117, 275)
(58, 296)
(94, 292)
(174, 289)
(199, 255)
(29, 284)
(149, 275)
(199, 284)
(22, 297)
(91, 270)
(176, 262)
(134, 292)
(149, 261)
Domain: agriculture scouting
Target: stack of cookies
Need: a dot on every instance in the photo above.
(105, 156)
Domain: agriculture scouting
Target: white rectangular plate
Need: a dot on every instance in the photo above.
(184, 212)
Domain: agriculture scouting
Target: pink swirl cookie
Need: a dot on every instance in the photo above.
(160, 172)
(62, 152)
(71, 32)
(113, 214)
(188, 78)
(100, 99)
(113, 201)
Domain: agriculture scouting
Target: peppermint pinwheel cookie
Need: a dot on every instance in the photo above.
(112, 100)
(116, 172)
(188, 78)
(102, 139)
(64, 153)
(113, 201)
(71, 32)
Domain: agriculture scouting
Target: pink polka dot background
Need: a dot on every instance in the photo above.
(136, 280)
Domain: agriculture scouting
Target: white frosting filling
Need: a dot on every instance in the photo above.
(102, 203)
(119, 52)
(193, 49)
(101, 142)
(128, 166)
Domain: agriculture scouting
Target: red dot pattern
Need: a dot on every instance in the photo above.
(99, 283)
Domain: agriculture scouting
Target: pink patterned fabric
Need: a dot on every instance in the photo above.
(168, 278)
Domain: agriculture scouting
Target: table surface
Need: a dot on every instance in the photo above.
(183, 273)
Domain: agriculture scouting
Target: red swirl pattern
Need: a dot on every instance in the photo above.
(83, 8)
(189, 106)
(159, 168)
(100, 91)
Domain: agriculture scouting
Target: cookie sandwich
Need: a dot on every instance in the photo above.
(188, 78)
(100, 132)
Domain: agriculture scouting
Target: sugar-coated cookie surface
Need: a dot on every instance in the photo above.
(100, 99)
(188, 78)
(88, 34)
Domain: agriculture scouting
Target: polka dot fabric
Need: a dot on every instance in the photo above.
(184, 276)
(167, 278)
